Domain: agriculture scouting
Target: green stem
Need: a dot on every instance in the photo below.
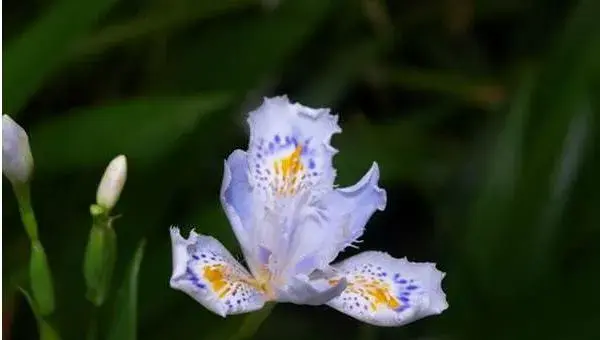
(252, 323)
(93, 329)
(22, 191)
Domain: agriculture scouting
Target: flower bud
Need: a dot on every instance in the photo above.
(112, 183)
(17, 161)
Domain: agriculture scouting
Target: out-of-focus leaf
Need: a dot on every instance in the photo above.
(491, 211)
(142, 129)
(561, 96)
(41, 49)
(47, 332)
(124, 323)
(154, 21)
(520, 182)
(479, 92)
(520, 215)
(401, 147)
(247, 49)
(341, 72)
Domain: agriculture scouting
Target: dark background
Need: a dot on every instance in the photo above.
(483, 117)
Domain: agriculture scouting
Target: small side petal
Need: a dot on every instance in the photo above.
(206, 271)
(348, 210)
(385, 291)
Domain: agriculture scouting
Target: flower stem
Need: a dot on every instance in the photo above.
(40, 276)
(252, 323)
(22, 192)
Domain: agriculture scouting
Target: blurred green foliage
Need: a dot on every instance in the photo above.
(483, 115)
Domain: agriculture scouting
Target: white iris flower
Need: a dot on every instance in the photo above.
(291, 223)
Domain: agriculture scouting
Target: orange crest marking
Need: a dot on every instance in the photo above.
(287, 171)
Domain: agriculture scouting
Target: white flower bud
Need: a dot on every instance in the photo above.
(112, 183)
(17, 161)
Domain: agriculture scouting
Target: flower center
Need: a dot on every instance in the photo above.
(288, 173)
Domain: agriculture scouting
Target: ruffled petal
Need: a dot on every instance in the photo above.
(289, 166)
(289, 149)
(206, 271)
(347, 211)
(385, 291)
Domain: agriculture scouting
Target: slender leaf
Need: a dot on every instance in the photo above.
(145, 24)
(47, 331)
(124, 324)
(142, 129)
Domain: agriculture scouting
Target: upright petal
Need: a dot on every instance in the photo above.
(206, 271)
(289, 149)
(385, 291)
(289, 163)
(347, 211)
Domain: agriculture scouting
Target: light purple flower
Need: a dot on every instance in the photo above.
(291, 223)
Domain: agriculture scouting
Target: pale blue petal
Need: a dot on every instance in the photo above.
(347, 211)
(290, 148)
(289, 166)
(206, 271)
(236, 193)
(240, 206)
(386, 291)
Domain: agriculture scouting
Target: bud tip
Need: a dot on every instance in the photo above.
(112, 183)
(17, 161)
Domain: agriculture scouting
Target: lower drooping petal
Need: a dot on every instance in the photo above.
(206, 271)
(385, 291)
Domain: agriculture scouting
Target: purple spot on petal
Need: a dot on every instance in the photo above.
(311, 164)
(412, 287)
(263, 255)
(277, 139)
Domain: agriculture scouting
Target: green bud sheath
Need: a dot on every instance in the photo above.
(99, 261)
(42, 288)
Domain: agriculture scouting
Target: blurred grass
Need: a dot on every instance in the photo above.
(41, 49)
(484, 111)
